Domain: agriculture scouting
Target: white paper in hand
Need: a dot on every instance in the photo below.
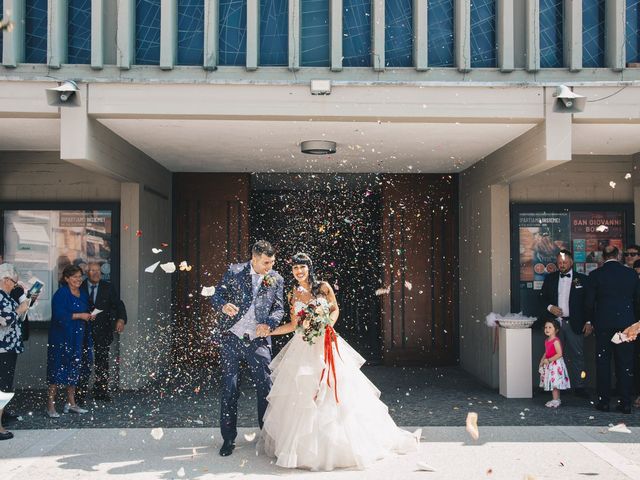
(95, 312)
(619, 338)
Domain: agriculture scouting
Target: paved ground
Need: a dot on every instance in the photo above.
(415, 396)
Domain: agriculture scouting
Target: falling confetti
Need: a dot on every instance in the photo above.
(627, 176)
(602, 228)
(156, 250)
(250, 437)
(184, 266)
(180, 472)
(408, 285)
(168, 267)
(138, 233)
(612, 184)
(208, 291)
(152, 268)
(472, 425)
(157, 433)
(383, 291)
(164, 245)
(583, 374)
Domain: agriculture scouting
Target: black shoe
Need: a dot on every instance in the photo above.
(103, 397)
(227, 448)
(581, 392)
(626, 409)
(6, 436)
(603, 407)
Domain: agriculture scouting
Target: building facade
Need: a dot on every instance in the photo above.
(443, 112)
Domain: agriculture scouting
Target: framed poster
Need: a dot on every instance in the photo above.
(539, 232)
(42, 239)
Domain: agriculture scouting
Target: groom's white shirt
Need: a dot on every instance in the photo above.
(248, 323)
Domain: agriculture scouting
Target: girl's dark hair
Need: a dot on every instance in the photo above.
(69, 271)
(304, 259)
(554, 322)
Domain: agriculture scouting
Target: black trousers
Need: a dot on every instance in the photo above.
(623, 355)
(101, 371)
(7, 370)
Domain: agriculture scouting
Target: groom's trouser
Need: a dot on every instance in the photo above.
(257, 355)
(573, 354)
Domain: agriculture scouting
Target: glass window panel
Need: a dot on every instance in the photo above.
(147, 32)
(440, 33)
(398, 33)
(36, 31)
(356, 38)
(483, 33)
(551, 33)
(633, 31)
(79, 32)
(233, 32)
(315, 42)
(274, 32)
(593, 33)
(190, 32)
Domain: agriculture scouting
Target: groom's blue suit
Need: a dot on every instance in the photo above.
(236, 287)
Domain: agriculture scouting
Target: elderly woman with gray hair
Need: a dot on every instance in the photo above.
(10, 332)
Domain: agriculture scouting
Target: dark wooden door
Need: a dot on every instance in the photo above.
(419, 248)
(211, 221)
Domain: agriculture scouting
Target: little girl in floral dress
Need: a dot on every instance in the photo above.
(553, 371)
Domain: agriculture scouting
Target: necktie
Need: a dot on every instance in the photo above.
(93, 294)
(562, 275)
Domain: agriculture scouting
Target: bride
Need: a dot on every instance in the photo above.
(323, 412)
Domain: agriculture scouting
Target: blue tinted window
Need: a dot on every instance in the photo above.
(233, 32)
(190, 32)
(148, 32)
(551, 33)
(274, 32)
(36, 31)
(315, 43)
(593, 33)
(79, 31)
(633, 31)
(483, 33)
(398, 33)
(440, 32)
(356, 38)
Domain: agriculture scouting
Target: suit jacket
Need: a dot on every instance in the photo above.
(577, 297)
(613, 296)
(236, 287)
(112, 308)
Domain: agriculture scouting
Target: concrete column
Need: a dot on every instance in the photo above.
(504, 34)
(335, 11)
(13, 42)
(253, 34)
(126, 34)
(572, 35)
(420, 38)
(377, 24)
(462, 34)
(97, 34)
(532, 48)
(57, 33)
(614, 36)
(211, 14)
(294, 35)
(168, 34)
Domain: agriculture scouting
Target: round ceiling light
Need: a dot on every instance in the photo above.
(318, 147)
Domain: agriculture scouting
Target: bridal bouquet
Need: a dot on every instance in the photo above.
(313, 320)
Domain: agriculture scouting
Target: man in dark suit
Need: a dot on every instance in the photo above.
(613, 301)
(563, 297)
(250, 296)
(113, 317)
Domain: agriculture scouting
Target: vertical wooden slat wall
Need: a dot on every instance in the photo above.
(419, 249)
(211, 221)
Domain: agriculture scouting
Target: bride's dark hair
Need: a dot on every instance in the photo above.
(304, 259)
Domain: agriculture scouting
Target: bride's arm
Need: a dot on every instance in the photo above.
(334, 310)
(287, 327)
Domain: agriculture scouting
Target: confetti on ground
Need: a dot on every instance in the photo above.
(612, 184)
(157, 433)
(168, 267)
(619, 428)
(472, 425)
(152, 268)
(250, 437)
(383, 291)
(156, 250)
(208, 291)
(180, 472)
(425, 467)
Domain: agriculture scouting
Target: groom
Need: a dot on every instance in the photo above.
(250, 296)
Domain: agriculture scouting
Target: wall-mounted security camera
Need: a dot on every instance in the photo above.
(567, 101)
(64, 95)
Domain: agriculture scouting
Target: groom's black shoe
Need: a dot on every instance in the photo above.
(227, 448)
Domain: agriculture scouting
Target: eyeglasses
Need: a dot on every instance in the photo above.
(11, 280)
(630, 254)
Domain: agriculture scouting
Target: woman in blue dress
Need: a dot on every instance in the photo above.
(69, 340)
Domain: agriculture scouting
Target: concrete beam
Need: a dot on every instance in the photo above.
(168, 34)
(572, 35)
(26, 100)
(126, 34)
(505, 37)
(57, 13)
(97, 34)
(335, 12)
(420, 38)
(462, 34)
(13, 42)
(211, 15)
(87, 143)
(532, 49)
(614, 36)
(609, 104)
(378, 59)
(253, 34)
(294, 35)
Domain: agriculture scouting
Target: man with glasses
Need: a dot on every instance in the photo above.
(631, 255)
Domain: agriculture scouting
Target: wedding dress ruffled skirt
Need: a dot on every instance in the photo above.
(304, 425)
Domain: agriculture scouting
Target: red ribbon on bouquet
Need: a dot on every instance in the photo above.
(330, 338)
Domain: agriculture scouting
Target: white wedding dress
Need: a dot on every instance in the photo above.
(304, 426)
